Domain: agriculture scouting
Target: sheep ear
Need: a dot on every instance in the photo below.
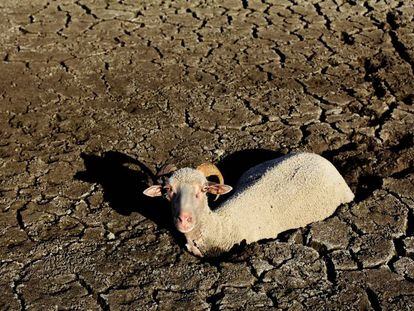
(218, 189)
(153, 191)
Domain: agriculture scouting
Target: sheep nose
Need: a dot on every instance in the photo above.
(185, 218)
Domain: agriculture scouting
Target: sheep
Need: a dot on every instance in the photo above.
(277, 195)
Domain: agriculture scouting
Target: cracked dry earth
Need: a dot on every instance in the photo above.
(96, 95)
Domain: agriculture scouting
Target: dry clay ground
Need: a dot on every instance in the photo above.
(96, 95)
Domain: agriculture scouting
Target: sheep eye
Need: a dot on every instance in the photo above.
(204, 189)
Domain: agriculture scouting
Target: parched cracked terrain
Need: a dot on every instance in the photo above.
(95, 96)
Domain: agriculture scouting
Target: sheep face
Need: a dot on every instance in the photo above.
(188, 202)
(187, 190)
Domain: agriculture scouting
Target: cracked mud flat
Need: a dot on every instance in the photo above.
(95, 93)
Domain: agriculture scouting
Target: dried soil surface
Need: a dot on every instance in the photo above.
(96, 95)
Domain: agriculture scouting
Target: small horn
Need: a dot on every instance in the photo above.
(166, 169)
(209, 169)
(164, 173)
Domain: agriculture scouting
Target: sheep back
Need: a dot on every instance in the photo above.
(286, 193)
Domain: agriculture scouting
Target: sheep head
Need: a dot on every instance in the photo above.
(187, 190)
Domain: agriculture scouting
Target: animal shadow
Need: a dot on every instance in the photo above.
(123, 179)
